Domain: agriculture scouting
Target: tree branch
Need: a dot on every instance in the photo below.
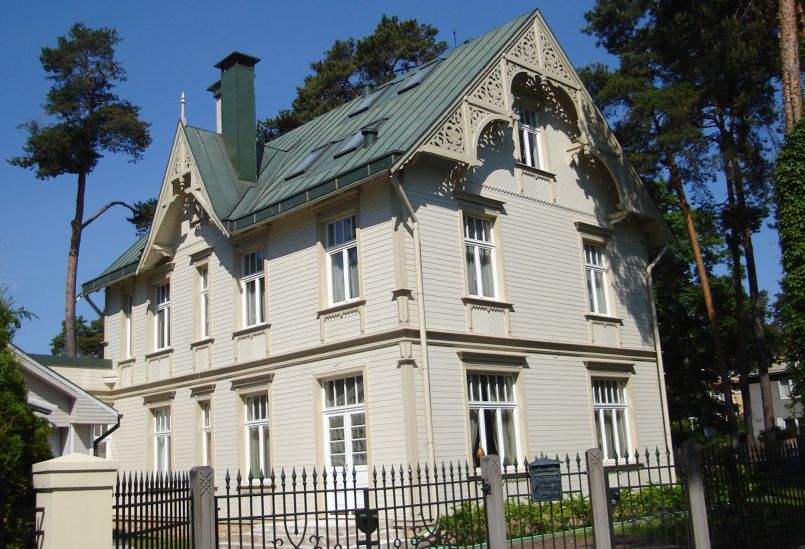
(100, 212)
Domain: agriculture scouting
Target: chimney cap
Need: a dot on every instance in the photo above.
(237, 58)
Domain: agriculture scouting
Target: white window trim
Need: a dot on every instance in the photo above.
(204, 301)
(343, 249)
(98, 429)
(264, 426)
(599, 410)
(259, 293)
(162, 464)
(345, 411)
(128, 332)
(205, 429)
(527, 133)
(512, 404)
(785, 388)
(589, 285)
(477, 245)
(162, 326)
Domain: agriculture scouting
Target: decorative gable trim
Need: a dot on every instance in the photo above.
(182, 181)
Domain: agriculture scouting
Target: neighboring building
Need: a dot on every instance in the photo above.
(455, 263)
(76, 418)
(787, 418)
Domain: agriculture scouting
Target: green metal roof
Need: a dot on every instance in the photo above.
(404, 115)
(72, 361)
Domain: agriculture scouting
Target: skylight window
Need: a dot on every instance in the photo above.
(417, 78)
(367, 102)
(349, 144)
(307, 161)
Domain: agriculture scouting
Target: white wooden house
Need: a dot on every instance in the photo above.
(454, 263)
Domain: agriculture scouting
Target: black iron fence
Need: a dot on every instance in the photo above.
(153, 510)
(22, 527)
(755, 495)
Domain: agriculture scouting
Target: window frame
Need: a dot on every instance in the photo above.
(599, 424)
(162, 316)
(162, 432)
(498, 407)
(203, 301)
(477, 245)
(263, 425)
(97, 430)
(342, 248)
(128, 326)
(205, 423)
(346, 411)
(590, 270)
(530, 132)
(785, 387)
(256, 277)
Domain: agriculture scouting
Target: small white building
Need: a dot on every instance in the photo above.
(787, 417)
(76, 418)
(455, 263)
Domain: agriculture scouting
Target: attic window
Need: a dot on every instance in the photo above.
(367, 102)
(417, 78)
(307, 161)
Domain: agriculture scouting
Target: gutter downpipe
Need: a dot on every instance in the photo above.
(658, 350)
(100, 439)
(423, 332)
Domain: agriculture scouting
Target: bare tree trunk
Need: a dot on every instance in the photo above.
(741, 360)
(704, 280)
(789, 54)
(76, 226)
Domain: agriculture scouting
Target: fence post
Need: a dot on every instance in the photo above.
(599, 500)
(202, 490)
(493, 489)
(76, 492)
(697, 510)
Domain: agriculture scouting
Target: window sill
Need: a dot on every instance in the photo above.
(255, 487)
(250, 330)
(202, 342)
(126, 361)
(159, 353)
(485, 301)
(613, 465)
(604, 318)
(535, 171)
(354, 304)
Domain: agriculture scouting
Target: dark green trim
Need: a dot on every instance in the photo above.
(108, 278)
(339, 183)
(72, 361)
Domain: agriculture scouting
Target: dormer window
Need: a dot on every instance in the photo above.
(530, 136)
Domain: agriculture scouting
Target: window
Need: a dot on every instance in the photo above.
(128, 304)
(162, 440)
(611, 418)
(480, 256)
(786, 388)
(205, 415)
(204, 302)
(257, 451)
(530, 138)
(103, 447)
(342, 261)
(163, 325)
(345, 422)
(596, 276)
(253, 287)
(493, 409)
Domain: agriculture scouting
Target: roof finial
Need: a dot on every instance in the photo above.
(181, 111)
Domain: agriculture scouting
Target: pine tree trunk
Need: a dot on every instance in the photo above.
(704, 280)
(76, 226)
(789, 54)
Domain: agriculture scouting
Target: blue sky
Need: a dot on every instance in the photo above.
(169, 48)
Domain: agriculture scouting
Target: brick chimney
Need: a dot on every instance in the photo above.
(235, 113)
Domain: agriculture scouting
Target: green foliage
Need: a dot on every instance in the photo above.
(23, 436)
(143, 215)
(790, 195)
(394, 46)
(89, 339)
(88, 118)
